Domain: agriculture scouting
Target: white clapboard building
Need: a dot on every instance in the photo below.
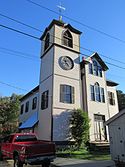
(65, 84)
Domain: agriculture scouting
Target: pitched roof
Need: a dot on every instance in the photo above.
(116, 116)
(98, 58)
(30, 93)
(111, 83)
(62, 24)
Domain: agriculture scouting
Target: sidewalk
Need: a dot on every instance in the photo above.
(68, 162)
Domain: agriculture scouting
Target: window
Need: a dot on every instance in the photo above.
(44, 100)
(97, 93)
(99, 71)
(34, 103)
(22, 108)
(66, 94)
(111, 98)
(67, 39)
(47, 40)
(92, 93)
(102, 95)
(95, 68)
(27, 106)
(90, 68)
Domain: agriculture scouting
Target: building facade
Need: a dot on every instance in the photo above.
(67, 84)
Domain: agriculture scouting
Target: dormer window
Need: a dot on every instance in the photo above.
(95, 69)
(47, 40)
(67, 39)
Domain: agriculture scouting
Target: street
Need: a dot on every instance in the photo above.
(9, 163)
(67, 162)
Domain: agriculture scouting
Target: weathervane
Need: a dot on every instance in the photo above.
(61, 8)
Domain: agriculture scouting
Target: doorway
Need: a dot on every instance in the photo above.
(99, 128)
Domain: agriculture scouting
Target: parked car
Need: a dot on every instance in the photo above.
(25, 148)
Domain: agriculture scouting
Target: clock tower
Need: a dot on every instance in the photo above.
(60, 90)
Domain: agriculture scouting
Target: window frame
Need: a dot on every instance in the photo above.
(47, 41)
(95, 69)
(34, 103)
(27, 107)
(44, 100)
(67, 39)
(111, 98)
(97, 93)
(22, 109)
(67, 94)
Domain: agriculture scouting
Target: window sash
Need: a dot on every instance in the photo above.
(66, 94)
(111, 97)
(22, 108)
(47, 39)
(44, 100)
(34, 103)
(27, 106)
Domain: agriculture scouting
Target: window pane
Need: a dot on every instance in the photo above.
(66, 94)
(44, 100)
(92, 92)
(27, 106)
(90, 69)
(47, 41)
(102, 95)
(97, 92)
(67, 39)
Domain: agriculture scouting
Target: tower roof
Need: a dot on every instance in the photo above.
(61, 24)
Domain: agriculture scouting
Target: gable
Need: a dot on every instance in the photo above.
(100, 61)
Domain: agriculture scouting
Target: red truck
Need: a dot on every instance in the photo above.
(25, 148)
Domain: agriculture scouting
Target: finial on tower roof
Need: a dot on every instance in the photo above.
(61, 8)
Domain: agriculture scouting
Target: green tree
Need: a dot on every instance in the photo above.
(121, 99)
(79, 126)
(9, 111)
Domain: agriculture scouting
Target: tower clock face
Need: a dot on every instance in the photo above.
(66, 63)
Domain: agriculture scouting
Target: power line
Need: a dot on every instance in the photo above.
(12, 86)
(13, 54)
(12, 29)
(50, 42)
(18, 52)
(27, 25)
(78, 22)
(17, 21)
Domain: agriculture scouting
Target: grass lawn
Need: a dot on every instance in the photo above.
(84, 154)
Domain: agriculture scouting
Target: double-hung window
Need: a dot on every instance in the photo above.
(34, 103)
(111, 98)
(27, 106)
(44, 100)
(97, 93)
(66, 94)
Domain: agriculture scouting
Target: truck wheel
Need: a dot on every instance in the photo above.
(1, 156)
(17, 162)
(46, 164)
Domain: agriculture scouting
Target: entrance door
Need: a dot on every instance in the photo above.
(99, 128)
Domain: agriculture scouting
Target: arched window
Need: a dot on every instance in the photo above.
(47, 39)
(97, 92)
(95, 68)
(67, 39)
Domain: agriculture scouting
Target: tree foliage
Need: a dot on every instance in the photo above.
(79, 126)
(9, 111)
(121, 99)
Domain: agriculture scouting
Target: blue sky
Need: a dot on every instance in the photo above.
(22, 70)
